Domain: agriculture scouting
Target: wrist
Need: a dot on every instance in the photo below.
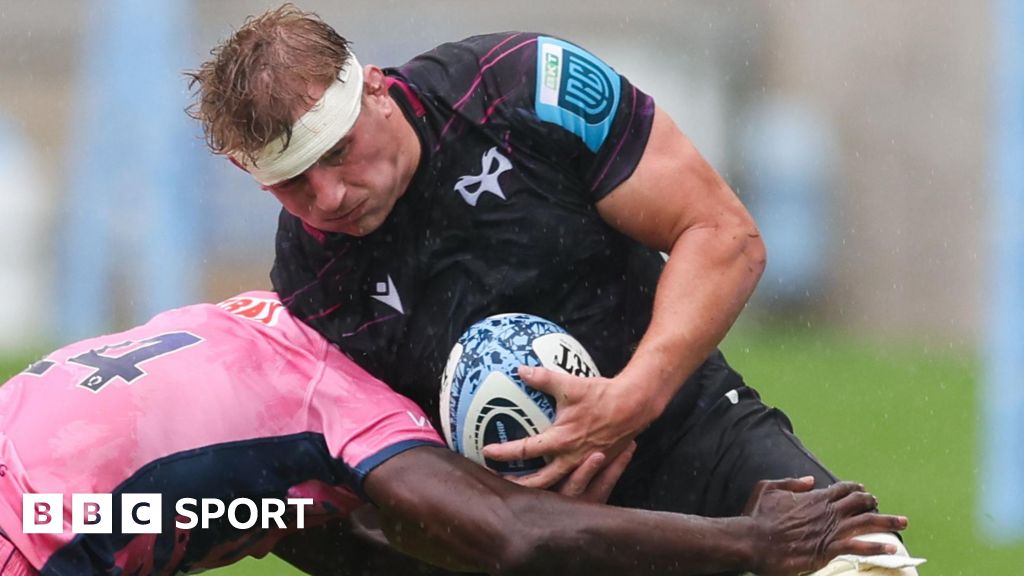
(650, 389)
(751, 541)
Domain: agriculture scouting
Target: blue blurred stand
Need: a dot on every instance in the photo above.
(23, 242)
(130, 229)
(1002, 476)
(789, 160)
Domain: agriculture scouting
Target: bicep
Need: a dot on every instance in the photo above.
(443, 508)
(672, 189)
(326, 549)
(336, 549)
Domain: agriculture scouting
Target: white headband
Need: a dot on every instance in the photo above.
(315, 132)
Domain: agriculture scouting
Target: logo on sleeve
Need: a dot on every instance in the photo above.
(585, 90)
(263, 310)
(419, 421)
(576, 91)
(492, 165)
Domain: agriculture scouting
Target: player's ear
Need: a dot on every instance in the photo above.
(375, 90)
(374, 81)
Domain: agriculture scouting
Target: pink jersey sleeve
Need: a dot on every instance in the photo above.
(364, 421)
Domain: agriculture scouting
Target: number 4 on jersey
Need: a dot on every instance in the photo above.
(126, 365)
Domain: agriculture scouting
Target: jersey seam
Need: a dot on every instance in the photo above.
(314, 382)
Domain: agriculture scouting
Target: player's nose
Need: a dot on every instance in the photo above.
(328, 190)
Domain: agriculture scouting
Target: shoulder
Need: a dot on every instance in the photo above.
(487, 47)
(261, 315)
(463, 61)
(518, 70)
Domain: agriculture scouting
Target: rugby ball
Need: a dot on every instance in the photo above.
(483, 400)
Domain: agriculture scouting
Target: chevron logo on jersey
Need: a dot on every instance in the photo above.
(387, 294)
(492, 165)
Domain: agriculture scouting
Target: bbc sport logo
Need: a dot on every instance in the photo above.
(141, 513)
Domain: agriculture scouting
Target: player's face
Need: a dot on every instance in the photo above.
(355, 184)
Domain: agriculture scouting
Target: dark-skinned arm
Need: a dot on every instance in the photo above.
(356, 545)
(339, 549)
(442, 508)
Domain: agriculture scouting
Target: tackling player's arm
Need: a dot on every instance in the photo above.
(442, 508)
(356, 545)
(338, 549)
(677, 203)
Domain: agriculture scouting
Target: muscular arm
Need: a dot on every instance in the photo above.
(441, 507)
(336, 549)
(674, 202)
(677, 203)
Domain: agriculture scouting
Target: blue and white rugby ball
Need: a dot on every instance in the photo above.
(483, 400)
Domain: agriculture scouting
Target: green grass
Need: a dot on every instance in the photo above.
(901, 419)
(11, 364)
(269, 566)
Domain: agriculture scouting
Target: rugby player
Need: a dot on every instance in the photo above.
(240, 400)
(510, 172)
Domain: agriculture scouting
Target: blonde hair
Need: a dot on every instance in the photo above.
(248, 93)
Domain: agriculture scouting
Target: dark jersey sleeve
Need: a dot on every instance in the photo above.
(609, 117)
(556, 99)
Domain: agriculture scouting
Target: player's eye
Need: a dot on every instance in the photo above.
(285, 188)
(334, 157)
(287, 185)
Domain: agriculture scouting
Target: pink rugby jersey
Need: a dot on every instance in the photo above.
(235, 400)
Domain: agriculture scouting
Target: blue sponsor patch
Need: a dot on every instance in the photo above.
(576, 91)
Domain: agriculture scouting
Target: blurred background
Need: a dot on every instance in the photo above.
(879, 145)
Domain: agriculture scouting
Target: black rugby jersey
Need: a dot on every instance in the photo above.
(521, 135)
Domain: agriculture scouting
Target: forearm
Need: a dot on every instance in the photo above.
(592, 540)
(337, 550)
(676, 202)
(459, 514)
(322, 550)
(710, 275)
